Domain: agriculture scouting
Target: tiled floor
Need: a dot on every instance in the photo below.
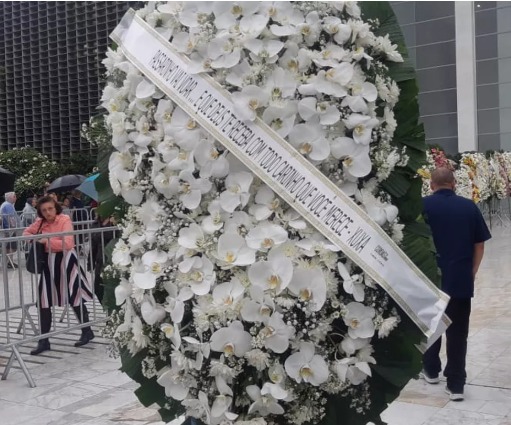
(83, 386)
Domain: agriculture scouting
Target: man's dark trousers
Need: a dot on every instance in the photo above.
(458, 310)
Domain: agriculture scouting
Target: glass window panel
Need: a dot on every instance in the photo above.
(504, 19)
(450, 144)
(439, 102)
(426, 10)
(436, 55)
(488, 121)
(505, 141)
(487, 71)
(481, 5)
(435, 31)
(439, 78)
(438, 126)
(505, 70)
(486, 47)
(504, 45)
(405, 12)
(488, 142)
(505, 95)
(488, 96)
(505, 120)
(486, 22)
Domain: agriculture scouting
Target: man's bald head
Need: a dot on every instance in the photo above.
(442, 178)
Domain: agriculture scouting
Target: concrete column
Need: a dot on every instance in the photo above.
(466, 76)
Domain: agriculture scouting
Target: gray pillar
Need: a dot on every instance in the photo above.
(466, 76)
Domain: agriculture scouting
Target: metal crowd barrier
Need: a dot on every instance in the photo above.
(19, 293)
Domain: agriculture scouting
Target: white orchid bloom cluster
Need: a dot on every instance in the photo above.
(249, 314)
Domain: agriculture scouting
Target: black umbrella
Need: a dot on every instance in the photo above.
(6, 181)
(65, 183)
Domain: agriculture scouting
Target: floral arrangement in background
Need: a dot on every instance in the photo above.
(435, 158)
(243, 312)
(31, 168)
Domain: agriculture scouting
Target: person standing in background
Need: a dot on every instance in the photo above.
(459, 232)
(10, 220)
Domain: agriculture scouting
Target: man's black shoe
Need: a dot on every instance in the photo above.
(86, 337)
(42, 345)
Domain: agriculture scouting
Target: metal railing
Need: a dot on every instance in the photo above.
(19, 293)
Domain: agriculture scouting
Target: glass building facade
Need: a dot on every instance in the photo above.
(51, 72)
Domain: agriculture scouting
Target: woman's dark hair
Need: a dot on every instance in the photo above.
(45, 200)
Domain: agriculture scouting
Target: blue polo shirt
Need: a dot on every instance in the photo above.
(456, 224)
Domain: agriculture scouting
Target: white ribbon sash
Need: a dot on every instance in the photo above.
(286, 172)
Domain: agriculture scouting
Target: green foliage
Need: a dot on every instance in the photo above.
(31, 168)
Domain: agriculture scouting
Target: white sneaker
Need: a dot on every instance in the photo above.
(428, 379)
(454, 396)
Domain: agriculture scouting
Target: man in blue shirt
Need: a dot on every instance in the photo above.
(459, 233)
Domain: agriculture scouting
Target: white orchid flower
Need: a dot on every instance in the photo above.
(154, 263)
(276, 334)
(192, 189)
(185, 130)
(311, 28)
(294, 59)
(194, 14)
(237, 186)
(310, 110)
(352, 370)
(224, 52)
(172, 332)
(233, 340)
(180, 160)
(309, 285)
(185, 42)
(119, 126)
(191, 237)
(143, 136)
(288, 17)
(279, 86)
(258, 307)
(362, 127)
(334, 26)
(265, 236)
(216, 218)
(281, 118)
(352, 284)
(248, 101)
(238, 221)
(359, 319)
(277, 374)
(203, 350)
(307, 366)
(350, 346)
(333, 82)
(359, 53)
(151, 311)
(265, 203)
(175, 386)
(198, 407)
(361, 93)
(163, 115)
(266, 49)
(239, 75)
(379, 211)
(310, 140)
(175, 301)
(272, 275)
(355, 157)
(198, 273)
(228, 294)
(166, 182)
(220, 409)
(122, 291)
(233, 250)
(265, 399)
(212, 162)
(330, 56)
(228, 14)
(145, 89)
(121, 254)
(314, 244)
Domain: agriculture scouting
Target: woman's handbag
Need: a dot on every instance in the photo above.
(35, 259)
